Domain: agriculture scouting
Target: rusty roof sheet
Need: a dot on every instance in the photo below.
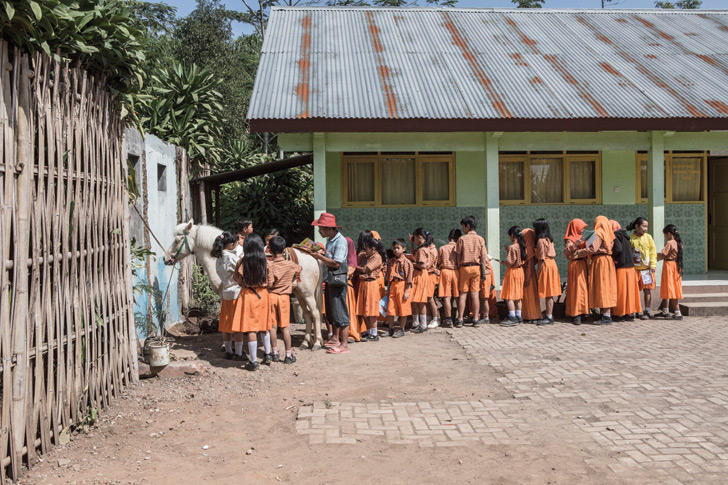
(435, 63)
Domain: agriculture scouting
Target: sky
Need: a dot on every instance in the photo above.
(184, 7)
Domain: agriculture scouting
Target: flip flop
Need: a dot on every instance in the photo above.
(337, 350)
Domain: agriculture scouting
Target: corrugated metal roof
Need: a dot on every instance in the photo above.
(434, 63)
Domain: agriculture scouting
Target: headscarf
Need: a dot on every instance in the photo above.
(376, 235)
(574, 230)
(604, 230)
(615, 225)
(530, 236)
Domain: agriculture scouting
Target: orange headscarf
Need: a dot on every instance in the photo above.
(604, 230)
(376, 235)
(615, 225)
(574, 230)
(530, 236)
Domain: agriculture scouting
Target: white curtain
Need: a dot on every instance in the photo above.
(686, 179)
(361, 181)
(511, 180)
(547, 180)
(398, 181)
(582, 178)
(435, 181)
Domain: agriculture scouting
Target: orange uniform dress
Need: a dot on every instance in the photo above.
(471, 252)
(400, 278)
(577, 288)
(421, 278)
(284, 273)
(531, 305)
(254, 302)
(434, 273)
(549, 281)
(671, 282)
(367, 301)
(513, 281)
(229, 309)
(447, 263)
(602, 276)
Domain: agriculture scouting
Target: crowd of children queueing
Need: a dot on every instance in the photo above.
(367, 287)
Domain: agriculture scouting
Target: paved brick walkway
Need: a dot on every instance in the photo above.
(652, 395)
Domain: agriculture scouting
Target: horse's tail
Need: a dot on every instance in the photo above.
(319, 294)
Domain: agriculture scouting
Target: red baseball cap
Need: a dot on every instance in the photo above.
(326, 220)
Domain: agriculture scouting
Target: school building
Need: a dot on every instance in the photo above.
(420, 116)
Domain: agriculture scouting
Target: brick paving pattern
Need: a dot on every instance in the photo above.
(653, 395)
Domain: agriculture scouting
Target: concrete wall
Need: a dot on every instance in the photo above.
(156, 177)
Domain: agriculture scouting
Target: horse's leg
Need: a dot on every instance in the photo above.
(313, 318)
(301, 299)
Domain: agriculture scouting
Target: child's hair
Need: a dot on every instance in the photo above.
(637, 222)
(454, 235)
(272, 232)
(515, 231)
(541, 228)
(364, 236)
(672, 229)
(243, 223)
(220, 242)
(469, 221)
(425, 235)
(400, 242)
(376, 244)
(277, 245)
(390, 254)
(254, 261)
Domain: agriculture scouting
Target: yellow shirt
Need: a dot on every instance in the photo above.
(647, 251)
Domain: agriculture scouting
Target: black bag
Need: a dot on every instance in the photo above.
(338, 277)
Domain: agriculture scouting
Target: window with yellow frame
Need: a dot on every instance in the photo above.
(393, 179)
(550, 178)
(684, 177)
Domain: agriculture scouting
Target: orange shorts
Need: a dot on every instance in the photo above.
(280, 310)
(485, 286)
(397, 306)
(470, 279)
(448, 283)
(641, 285)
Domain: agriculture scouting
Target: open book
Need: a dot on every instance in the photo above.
(312, 246)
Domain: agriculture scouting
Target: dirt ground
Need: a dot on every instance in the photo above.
(234, 426)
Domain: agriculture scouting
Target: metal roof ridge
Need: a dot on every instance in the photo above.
(527, 11)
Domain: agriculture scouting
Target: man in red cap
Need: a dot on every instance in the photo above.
(335, 276)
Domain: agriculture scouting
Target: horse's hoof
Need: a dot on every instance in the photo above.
(305, 345)
(316, 346)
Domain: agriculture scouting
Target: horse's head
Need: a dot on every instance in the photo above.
(183, 244)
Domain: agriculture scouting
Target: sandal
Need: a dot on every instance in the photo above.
(331, 343)
(337, 350)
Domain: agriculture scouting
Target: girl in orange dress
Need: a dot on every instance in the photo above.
(549, 281)
(531, 302)
(512, 290)
(381, 279)
(603, 277)
(420, 239)
(351, 290)
(577, 289)
(361, 260)
(254, 274)
(224, 250)
(400, 285)
(672, 268)
(628, 292)
(369, 294)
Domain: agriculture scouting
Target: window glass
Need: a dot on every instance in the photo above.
(686, 179)
(512, 180)
(547, 180)
(435, 181)
(361, 181)
(398, 181)
(582, 178)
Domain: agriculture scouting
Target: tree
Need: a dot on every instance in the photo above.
(529, 3)
(681, 4)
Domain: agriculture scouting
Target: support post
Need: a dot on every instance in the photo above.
(203, 203)
(656, 191)
(492, 202)
(319, 178)
(217, 206)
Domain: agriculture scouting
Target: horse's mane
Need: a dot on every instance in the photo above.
(205, 237)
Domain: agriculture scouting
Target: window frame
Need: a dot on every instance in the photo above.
(377, 157)
(639, 157)
(567, 158)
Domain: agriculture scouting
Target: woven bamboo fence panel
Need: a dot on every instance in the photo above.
(68, 343)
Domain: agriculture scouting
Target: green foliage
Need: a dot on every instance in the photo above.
(205, 298)
(144, 321)
(182, 106)
(681, 4)
(530, 3)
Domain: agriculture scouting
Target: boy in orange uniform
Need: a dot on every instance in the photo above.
(400, 284)
(284, 273)
(471, 253)
(447, 263)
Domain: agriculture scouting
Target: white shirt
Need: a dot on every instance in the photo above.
(225, 267)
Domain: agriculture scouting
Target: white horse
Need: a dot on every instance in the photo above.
(196, 239)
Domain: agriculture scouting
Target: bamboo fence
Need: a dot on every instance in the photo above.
(67, 337)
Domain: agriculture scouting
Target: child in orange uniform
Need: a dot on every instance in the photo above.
(672, 268)
(400, 286)
(472, 254)
(254, 274)
(602, 275)
(512, 290)
(577, 288)
(224, 250)
(549, 281)
(531, 304)
(448, 265)
(419, 241)
(369, 295)
(284, 273)
(628, 293)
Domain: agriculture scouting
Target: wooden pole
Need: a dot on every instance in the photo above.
(203, 203)
(217, 205)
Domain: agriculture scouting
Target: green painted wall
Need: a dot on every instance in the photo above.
(469, 179)
(618, 170)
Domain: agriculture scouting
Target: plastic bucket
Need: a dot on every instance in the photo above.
(158, 354)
